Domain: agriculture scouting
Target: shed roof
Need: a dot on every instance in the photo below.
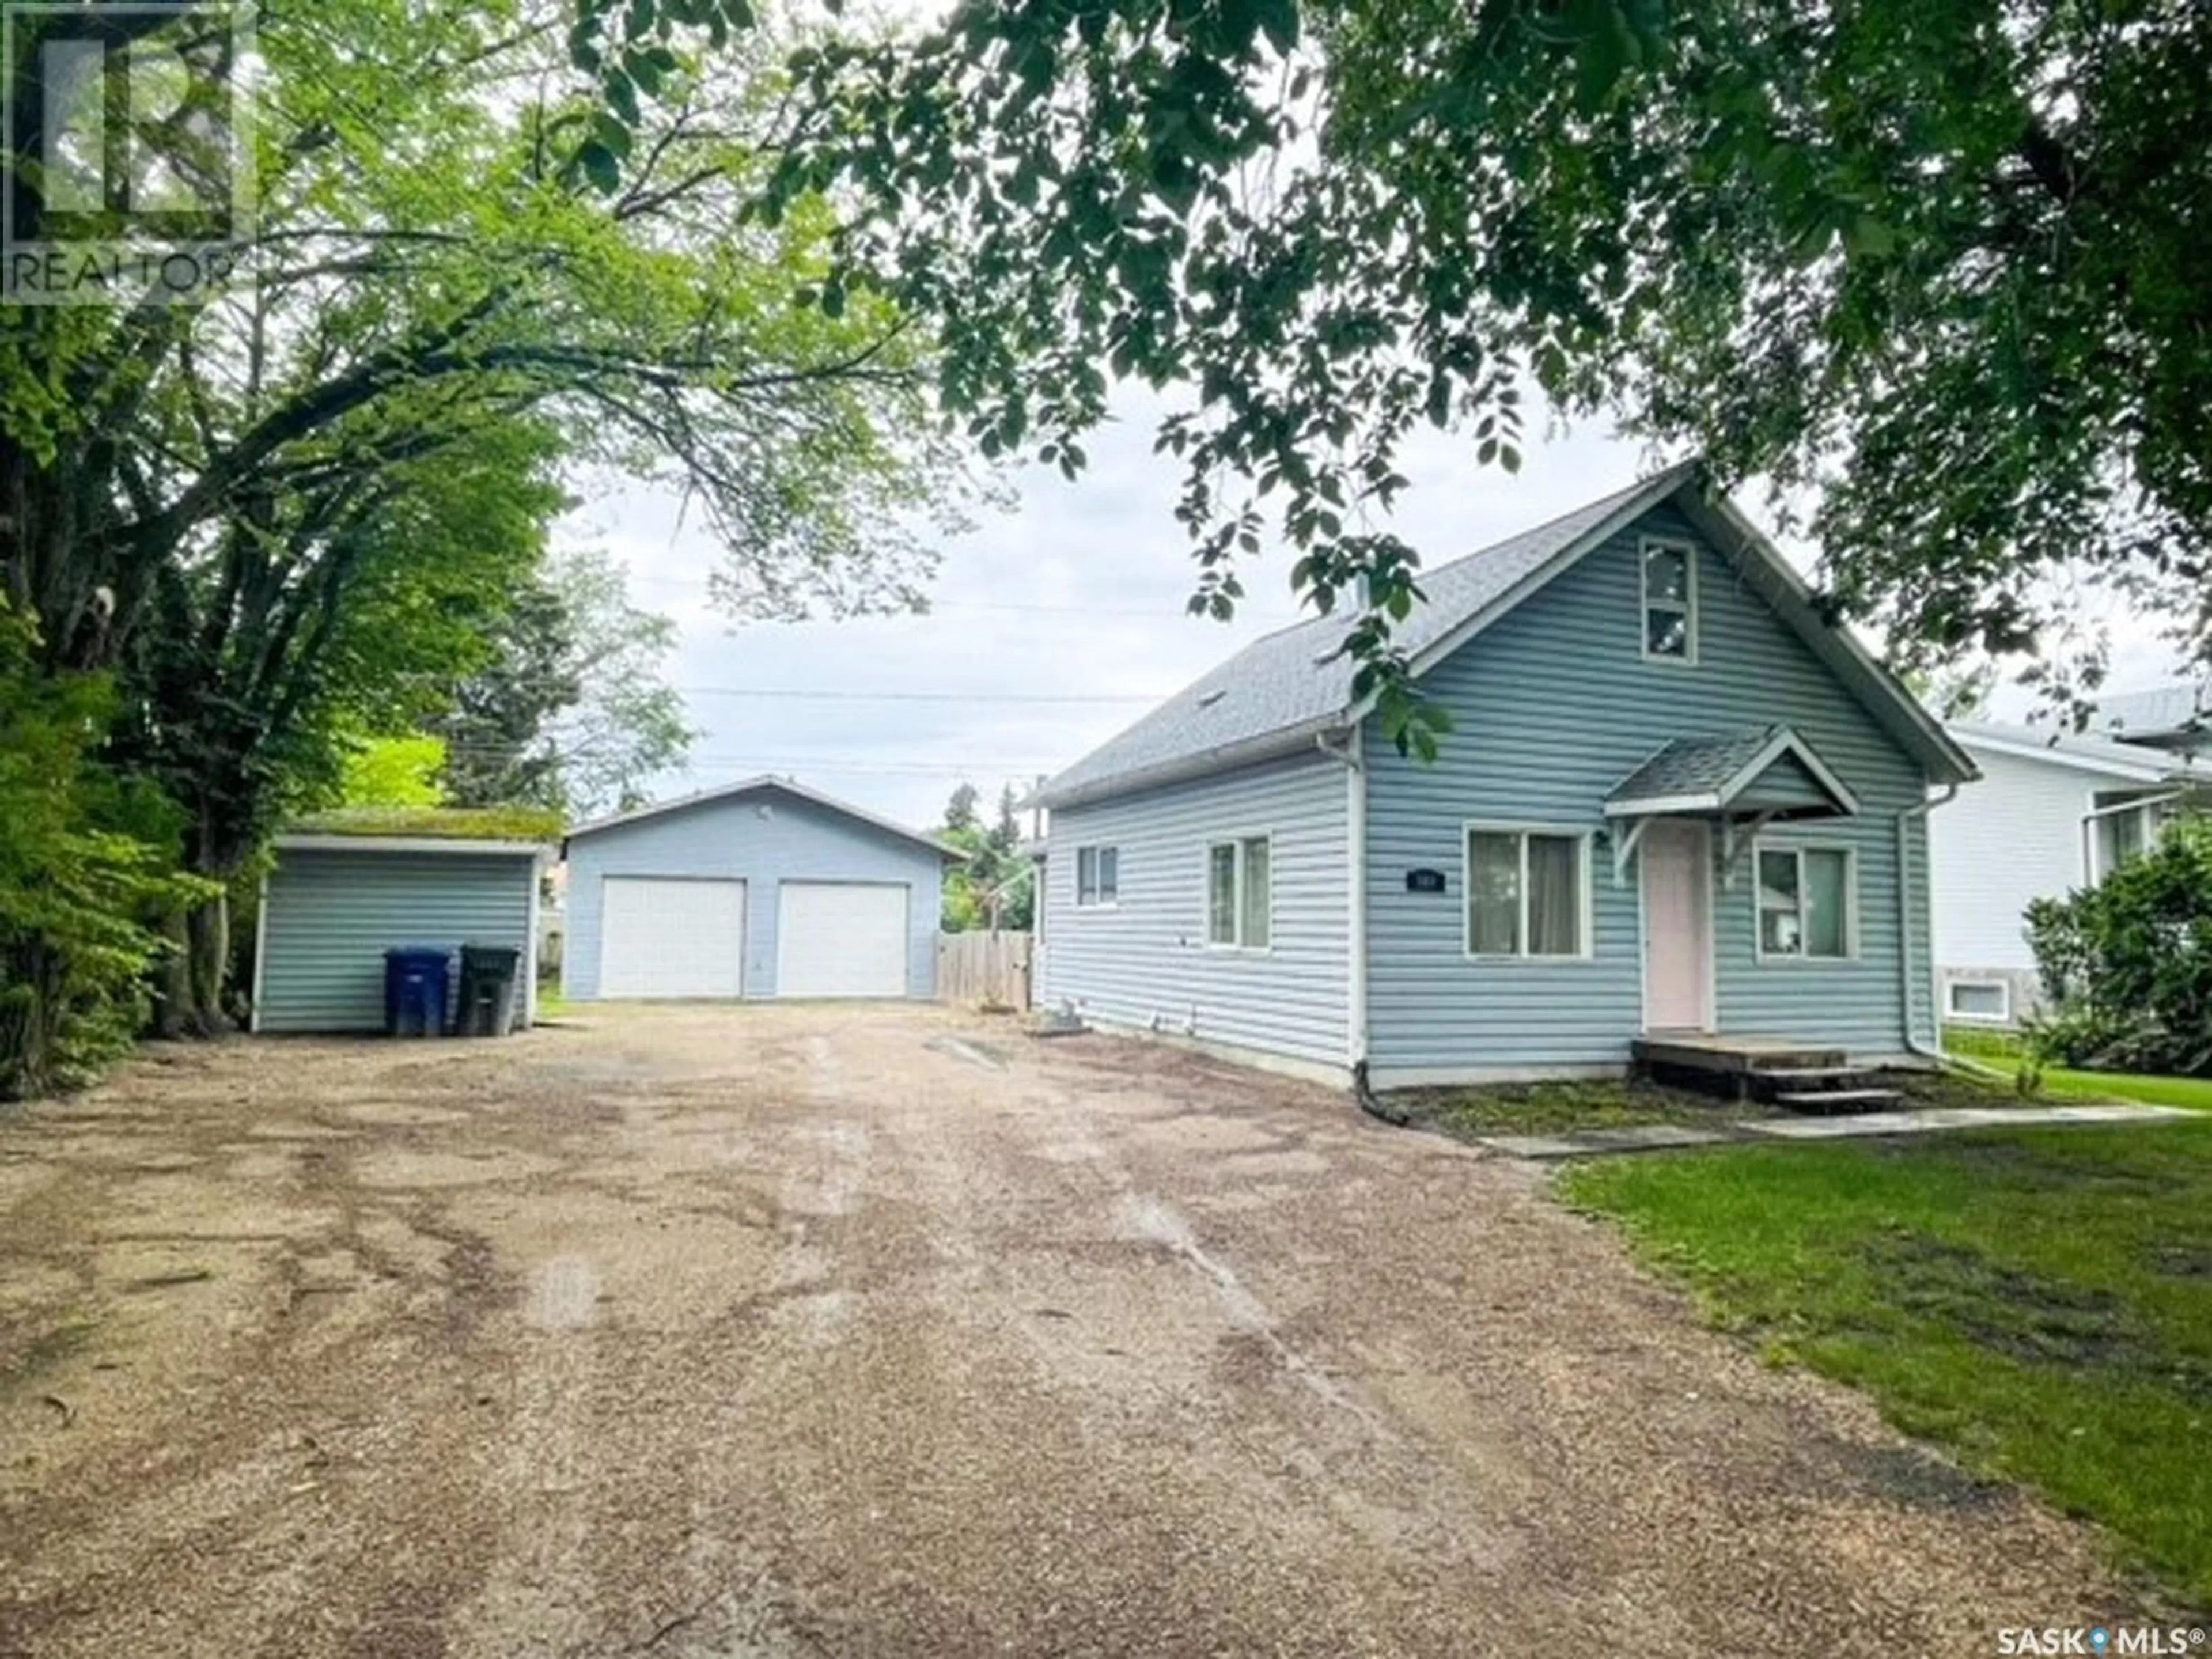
(766, 781)
(1283, 691)
(520, 825)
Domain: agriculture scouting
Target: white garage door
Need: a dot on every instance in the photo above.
(671, 939)
(841, 939)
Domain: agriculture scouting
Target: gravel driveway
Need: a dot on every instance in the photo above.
(793, 1330)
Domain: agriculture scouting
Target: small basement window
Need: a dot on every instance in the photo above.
(1670, 602)
(1986, 1000)
(1097, 877)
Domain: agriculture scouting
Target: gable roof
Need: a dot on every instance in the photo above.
(1283, 692)
(1710, 775)
(2131, 761)
(766, 781)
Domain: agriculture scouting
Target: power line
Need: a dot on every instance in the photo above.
(813, 695)
(684, 584)
(750, 764)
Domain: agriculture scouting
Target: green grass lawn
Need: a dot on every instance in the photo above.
(2003, 1051)
(2038, 1300)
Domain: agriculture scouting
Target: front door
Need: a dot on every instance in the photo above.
(1677, 857)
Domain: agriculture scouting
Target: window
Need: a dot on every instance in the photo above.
(1527, 893)
(1097, 876)
(1240, 893)
(1988, 1000)
(1670, 602)
(2122, 833)
(1808, 904)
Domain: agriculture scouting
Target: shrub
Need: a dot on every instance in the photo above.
(86, 877)
(2128, 963)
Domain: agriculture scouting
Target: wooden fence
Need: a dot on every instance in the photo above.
(984, 970)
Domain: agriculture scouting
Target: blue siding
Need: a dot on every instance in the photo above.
(1553, 705)
(1145, 961)
(329, 917)
(730, 839)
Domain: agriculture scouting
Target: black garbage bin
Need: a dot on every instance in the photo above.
(415, 991)
(489, 989)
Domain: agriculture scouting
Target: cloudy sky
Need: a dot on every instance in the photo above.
(1052, 626)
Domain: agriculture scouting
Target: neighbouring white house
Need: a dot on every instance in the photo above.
(2053, 812)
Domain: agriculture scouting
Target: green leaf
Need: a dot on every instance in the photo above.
(602, 166)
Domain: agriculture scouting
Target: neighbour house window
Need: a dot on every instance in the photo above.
(1097, 876)
(1240, 893)
(1670, 602)
(2122, 834)
(1807, 903)
(1988, 1001)
(1527, 893)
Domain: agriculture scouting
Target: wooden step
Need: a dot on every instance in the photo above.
(1789, 1075)
(1837, 1100)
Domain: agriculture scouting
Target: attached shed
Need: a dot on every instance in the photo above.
(334, 903)
(762, 889)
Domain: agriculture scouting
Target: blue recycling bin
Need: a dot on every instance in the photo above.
(415, 991)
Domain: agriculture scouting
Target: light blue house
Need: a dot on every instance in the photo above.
(760, 889)
(1674, 800)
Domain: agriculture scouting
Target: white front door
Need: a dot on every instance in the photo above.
(666, 938)
(841, 939)
(1677, 857)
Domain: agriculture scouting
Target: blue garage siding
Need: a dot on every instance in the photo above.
(329, 917)
(1552, 706)
(1145, 961)
(730, 839)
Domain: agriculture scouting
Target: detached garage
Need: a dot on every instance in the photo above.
(334, 903)
(762, 889)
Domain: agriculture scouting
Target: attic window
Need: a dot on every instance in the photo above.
(1670, 602)
(1208, 699)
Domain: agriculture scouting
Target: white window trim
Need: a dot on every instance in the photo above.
(1094, 849)
(2002, 987)
(1587, 907)
(1763, 845)
(1236, 843)
(1644, 548)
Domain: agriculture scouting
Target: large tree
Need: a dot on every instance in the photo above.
(1940, 263)
(260, 513)
(573, 711)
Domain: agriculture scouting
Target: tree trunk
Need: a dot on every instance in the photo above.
(31, 984)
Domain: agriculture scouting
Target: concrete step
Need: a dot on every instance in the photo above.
(1837, 1100)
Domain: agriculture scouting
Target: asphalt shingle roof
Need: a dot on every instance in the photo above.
(1694, 766)
(1296, 678)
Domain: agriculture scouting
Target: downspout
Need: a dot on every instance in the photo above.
(1913, 1044)
(1355, 858)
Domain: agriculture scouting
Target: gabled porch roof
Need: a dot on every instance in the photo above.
(1772, 772)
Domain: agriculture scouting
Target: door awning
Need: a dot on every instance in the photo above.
(1772, 773)
(1746, 780)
